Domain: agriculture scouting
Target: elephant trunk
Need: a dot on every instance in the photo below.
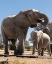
(44, 19)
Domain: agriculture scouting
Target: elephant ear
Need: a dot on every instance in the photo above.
(32, 34)
(30, 16)
(40, 34)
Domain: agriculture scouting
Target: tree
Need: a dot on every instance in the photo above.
(26, 43)
(39, 27)
(47, 29)
(1, 41)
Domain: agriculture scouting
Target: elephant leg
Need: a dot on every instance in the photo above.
(42, 52)
(49, 49)
(6, 47)
(39, 51)
(21, 32)
(5, 40)
(14, 46)
(20, 48)
(33, 48)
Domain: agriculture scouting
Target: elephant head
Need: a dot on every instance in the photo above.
(39, 36)
(34, 17)
(42, 41)
(36, 37)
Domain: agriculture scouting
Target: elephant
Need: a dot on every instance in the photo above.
(51, 47)
(41, 41)
(16, 26)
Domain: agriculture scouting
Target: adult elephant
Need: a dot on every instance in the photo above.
(14, 27)
(41, 41)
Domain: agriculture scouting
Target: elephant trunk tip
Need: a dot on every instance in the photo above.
(45, 19)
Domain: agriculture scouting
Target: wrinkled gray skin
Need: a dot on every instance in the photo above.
(14, 27)
(41, 41)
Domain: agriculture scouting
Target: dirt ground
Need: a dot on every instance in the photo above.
(46, 59)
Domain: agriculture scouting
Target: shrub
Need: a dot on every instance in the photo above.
(11, 47)
(1, 46)
(28, 48)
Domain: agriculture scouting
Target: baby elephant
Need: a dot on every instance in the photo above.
(40, 42)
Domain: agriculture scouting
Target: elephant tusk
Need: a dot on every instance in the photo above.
(41, 18)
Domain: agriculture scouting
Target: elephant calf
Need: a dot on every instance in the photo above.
(40, 41)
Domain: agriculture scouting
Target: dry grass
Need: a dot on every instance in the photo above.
(31, 61)
(17, 62)
(46, 59)
(20, 60)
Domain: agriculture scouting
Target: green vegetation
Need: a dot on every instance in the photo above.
(1, 46)
(11, 47)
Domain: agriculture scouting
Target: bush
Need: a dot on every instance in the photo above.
(1, 46)
(28, 48)
(11, 47)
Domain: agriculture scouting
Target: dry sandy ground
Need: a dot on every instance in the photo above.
(46, 59)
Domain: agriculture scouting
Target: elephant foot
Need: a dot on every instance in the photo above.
(19, 52)
(41, 54)
(33, 53)
(15, 53)
(6, 54)
(50, 54)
